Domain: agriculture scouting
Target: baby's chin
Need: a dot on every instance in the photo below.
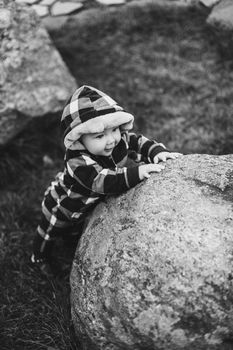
(108, 152)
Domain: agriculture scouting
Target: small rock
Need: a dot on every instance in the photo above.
(29, 2)
(47, 2)
(64, 8)
(41, 11)
(111, 2)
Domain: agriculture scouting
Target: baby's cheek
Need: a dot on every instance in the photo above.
(118, 138)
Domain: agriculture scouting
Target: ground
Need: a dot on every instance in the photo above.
(166, 69)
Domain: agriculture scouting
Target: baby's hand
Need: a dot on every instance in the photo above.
(163, 156)
(146, 169)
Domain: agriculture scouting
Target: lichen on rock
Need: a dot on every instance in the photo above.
(153, 269)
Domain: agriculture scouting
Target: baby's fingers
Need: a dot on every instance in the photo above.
(173, 155)
(177, 154)
(147, 175)
(157, 168)
(163, 157)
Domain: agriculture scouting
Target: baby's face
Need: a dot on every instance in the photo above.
(102, 144)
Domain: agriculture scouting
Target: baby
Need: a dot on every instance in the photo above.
(98, 146)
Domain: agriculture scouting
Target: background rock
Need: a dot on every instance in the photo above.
(221, 22)
(34, 80)
(209, 3)
(153, 269)
(222, 15)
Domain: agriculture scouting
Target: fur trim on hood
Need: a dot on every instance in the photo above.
(91, 111)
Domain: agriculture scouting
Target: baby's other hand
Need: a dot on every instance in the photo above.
(163, 156)
(146, 169)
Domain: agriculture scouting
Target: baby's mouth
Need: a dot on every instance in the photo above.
(108, 149)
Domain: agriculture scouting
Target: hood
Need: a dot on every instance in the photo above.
(91, 111)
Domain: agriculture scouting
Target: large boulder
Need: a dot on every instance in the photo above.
(34, 81)
(154, 267)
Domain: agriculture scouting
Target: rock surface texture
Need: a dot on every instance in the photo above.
(153, 269)
(34, 80)
(222, 15)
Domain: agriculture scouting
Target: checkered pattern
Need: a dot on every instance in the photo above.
(87, 178)
(86, 103)
(88, 109)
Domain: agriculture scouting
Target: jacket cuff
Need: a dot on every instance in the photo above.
(133, 176)
(157, 150)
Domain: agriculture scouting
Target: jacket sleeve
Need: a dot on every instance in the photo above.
(145, 147)
(89, 174)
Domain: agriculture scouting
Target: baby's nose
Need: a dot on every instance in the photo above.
(110, 138)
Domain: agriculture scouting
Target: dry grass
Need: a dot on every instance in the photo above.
(167, 69)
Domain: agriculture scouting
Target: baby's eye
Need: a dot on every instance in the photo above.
(115, 129)
(99, 136)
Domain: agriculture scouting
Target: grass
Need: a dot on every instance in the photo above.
(164, 68)
(35, 312)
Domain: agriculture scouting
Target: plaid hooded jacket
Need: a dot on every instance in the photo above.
(86, 178)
